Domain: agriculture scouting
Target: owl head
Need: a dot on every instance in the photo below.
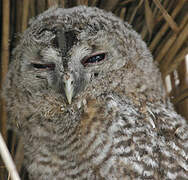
(69, 52)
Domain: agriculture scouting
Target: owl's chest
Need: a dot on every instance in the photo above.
(86, 144)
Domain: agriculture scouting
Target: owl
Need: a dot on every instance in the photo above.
(87, 100)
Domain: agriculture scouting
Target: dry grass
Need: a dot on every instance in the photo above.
(162, 24)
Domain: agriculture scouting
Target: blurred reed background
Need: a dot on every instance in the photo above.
(163, 24)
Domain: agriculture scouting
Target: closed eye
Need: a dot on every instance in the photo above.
(94, 59)
(50, 66)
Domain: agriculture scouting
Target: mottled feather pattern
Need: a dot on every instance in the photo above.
(116, 124)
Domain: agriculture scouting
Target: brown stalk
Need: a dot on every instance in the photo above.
(168, 42)
(182, 76)
(18, 159)
(4, 59)
(19, 15)
(165, 46)
(168, 18)
(32, 9)
(182, 96)
(93, 2)
(156, 10)
(177, 60)
(82, 2)
(174, 49)
(144, 31)
(25, 14)
(135, 10)
(62, 3)
(41, 6)
(149, 17)
(164, 28)
(108, 4)
(130, 10)
(122, 13)
(125, 2)
(52, 3)
(168, 5)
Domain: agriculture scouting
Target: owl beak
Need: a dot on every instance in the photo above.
(68, 86)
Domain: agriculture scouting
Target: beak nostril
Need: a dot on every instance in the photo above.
(96, 74)
(66, 76)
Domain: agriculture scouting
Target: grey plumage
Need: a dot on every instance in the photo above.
(88, 101)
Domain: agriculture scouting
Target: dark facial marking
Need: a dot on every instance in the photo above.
(64, 41)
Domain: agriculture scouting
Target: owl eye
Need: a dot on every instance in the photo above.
(94, 59)
(43, 66)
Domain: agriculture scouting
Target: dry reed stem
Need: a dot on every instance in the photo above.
(93, 2)
(32, 9)
(182, 96)
(41, 5)
(8, 160)
(149, 17)
(182, 104)
(4, 60)
(165, 27)
(118, 11)
(52, 3)
(130, 9)
(108, 4)
(82, 2)
(164, 47)
(183, 108)
(174, 49)
(122, 13)
(182, 76)
(125, 2)
(177, 60)
(168, 18)
(18, 159)
(168, 42)
(61, 3)
(157, 11)
(135, 10)
(19, 15)
(25, 14)
(144, 31)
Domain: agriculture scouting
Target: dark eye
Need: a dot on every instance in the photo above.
(43, 66)
(94, 59)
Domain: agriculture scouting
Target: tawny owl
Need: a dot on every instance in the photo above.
(84, 94)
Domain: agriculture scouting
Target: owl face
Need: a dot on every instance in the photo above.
(65, 52)
(69, 61)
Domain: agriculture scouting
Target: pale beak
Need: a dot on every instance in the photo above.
(68, 86)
